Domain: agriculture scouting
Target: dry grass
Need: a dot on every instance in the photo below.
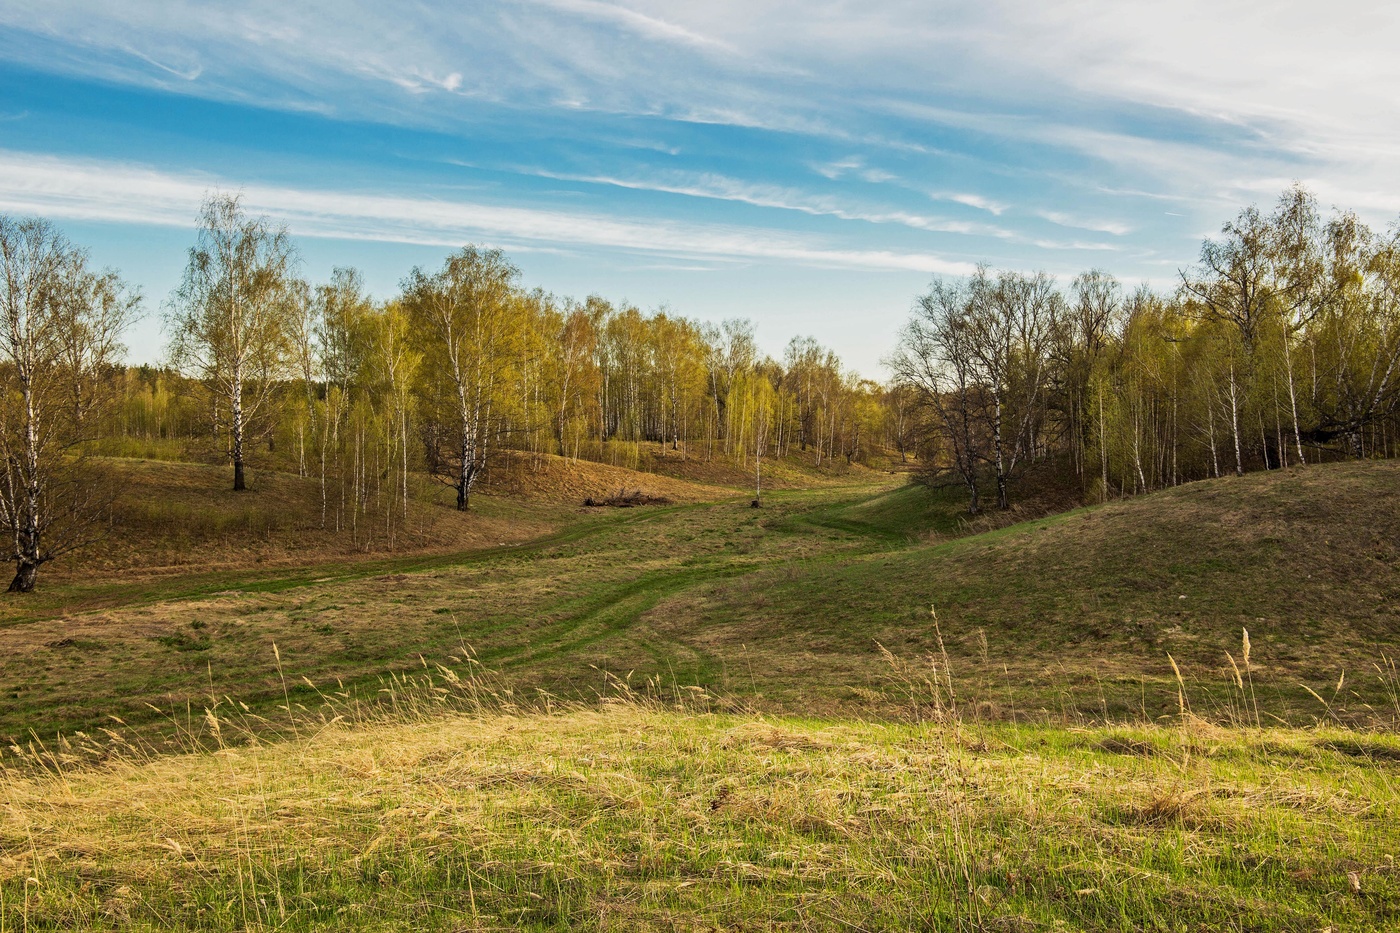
(171, 518)
(798, 470)
(1081, 610)
(636, 815)
(377, 806)
(547, 478)
(1070, 619)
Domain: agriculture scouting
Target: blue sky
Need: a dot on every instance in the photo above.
(809, 165)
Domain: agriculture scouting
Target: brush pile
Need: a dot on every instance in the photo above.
(622, 499)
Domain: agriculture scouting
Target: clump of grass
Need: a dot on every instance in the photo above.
(1120, 745)
(622, 499)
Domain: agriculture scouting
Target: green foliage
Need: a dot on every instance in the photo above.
(1281, 347)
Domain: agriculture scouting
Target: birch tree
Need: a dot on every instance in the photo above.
(935, 357)
(60, 325)
(1011, 322)
(463, 323)
(232, 317)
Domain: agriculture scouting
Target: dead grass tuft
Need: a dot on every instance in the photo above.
(1373, 749)
(622, 499)
(766, 735)
(1166, 805)
(1120, 745)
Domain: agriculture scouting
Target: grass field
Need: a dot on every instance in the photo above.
(702, 715)
(787, 607)
(173, 518)
(634, 816)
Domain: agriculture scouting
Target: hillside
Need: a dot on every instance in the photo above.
(788, 607)
(751, 721)
(169, 517)
(549, 478)
(1081, 610)
(696, 464)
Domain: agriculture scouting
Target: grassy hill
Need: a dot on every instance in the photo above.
(171, 517)
(790, 607)
(702, 715)
(1081, 610)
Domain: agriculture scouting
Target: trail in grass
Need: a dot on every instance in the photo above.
(547, 612)
(559, 635)
(100, 594)
(795, 601)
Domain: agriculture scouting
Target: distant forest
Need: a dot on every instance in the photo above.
(1279, 347)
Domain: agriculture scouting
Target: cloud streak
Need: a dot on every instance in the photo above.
(767, 138)
(648, 27)
(101, 191)
(721, 188)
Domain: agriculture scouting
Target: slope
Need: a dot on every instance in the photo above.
(793, 607)
(1087, 605)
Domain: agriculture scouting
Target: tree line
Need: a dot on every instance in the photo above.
(359, 394)
(466, 361)
(1279, 347)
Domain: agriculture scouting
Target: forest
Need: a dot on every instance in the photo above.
(1278, 346)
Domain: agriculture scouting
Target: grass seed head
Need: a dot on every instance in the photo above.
(1239, 681)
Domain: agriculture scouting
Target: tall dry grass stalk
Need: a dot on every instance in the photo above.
(1390, 679)
(1249, 675)
(1182, 708)
(1247, 710)
(463, 685)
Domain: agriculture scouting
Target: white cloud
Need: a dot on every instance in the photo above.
(1060, 218)
(839, 168)
(188, 73)
(1310, 81)
(972, 200)
(104, 191)
(719, 187)
(1075, 245)
(1206, 103)
(649, 27)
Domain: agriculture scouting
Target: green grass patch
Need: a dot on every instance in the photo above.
(637, 817)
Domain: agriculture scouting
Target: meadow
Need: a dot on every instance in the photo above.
(847, 709)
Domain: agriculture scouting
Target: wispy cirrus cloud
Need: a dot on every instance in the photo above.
(718, 187)
(101, 191)
(1312, 85)
(722, 188)
(972, 200)
(1062, 219)
(647, 27)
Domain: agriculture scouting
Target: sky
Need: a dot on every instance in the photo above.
(811, 165)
